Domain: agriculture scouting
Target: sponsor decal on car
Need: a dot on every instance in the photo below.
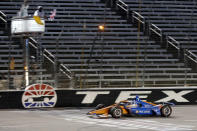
(39, 95)
(144, 111)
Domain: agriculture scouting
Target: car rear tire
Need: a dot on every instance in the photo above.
(116, 112)
(99, 106)
(166, 111)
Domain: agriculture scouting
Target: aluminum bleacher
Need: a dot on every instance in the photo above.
(119, 56)
(176, 18)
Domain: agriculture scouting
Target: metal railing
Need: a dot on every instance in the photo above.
(139, 18)
(2, 17)
(51, 58)
(191, 56)
(66, 71)
(147, 27)
(175, 44)
(151, 29)
(155, 29)
(121, 5)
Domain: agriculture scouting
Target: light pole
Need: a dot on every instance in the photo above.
(101, 29)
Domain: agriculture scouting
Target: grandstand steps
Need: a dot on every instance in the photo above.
(123, 60)
(175, 18)
(98, 46)
(140, 80)
(119, 57)
(111, 56)
(133, 75)
(128, 70)
(157, 65)
(62, 43)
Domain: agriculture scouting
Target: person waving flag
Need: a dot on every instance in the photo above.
(39, 14)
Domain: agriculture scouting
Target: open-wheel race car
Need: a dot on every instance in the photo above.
(134, 107)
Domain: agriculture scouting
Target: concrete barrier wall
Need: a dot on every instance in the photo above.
(11, 99)
(90, 98)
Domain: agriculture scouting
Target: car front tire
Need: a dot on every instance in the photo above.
(166, 111)
(116, 112)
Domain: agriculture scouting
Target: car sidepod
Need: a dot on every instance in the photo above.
(156, 110)
(145, 109)
(142, 111)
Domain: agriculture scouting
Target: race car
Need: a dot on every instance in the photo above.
(136, 107)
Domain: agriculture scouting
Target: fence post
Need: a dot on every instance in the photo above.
(161, 39)
(179, 55)
(128, 13)
(72, 81)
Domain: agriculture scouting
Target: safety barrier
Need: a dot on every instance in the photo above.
(92, 97)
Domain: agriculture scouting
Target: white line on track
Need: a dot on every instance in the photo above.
(125, 123)
(191, 120)
(128, 124)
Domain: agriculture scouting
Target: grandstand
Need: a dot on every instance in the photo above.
(123, 55)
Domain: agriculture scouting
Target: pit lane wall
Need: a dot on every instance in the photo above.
(92, 97)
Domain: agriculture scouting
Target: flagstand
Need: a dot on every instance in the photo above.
(25, 28)
(26, 60)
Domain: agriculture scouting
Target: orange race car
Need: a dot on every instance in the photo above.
(135, 107)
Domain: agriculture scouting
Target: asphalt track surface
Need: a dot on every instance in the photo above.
(184, 118)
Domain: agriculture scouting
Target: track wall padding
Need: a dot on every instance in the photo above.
(11, 99)
(90, 98)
